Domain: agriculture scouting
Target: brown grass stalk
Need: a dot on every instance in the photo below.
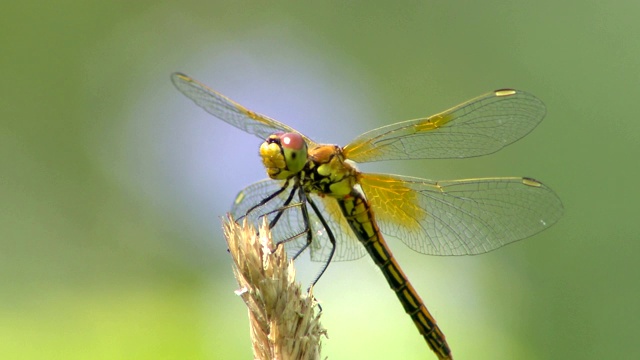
(283, 320)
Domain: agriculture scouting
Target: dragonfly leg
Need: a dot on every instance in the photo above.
(287, 205)
(266, 200)
(332, 239)
(305, 218)
(279, 211)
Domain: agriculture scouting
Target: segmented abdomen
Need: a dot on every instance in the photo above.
(362, 221)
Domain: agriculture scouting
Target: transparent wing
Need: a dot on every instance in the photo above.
(228, 110)
(291, 223)
(478, 127)
(460, 217)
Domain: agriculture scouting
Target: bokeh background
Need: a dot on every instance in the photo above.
(112, 184)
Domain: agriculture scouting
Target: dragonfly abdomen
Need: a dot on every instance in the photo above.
(361, 220)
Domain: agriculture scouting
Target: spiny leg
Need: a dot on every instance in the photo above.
(280, 211)
(302, 196)
(284, 206)
(332, 239)
(266, 200)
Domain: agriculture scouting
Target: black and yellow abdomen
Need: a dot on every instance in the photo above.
(362, 221)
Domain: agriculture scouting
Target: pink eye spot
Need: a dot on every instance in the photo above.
(292, 141)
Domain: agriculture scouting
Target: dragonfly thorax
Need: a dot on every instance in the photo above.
(327, 172)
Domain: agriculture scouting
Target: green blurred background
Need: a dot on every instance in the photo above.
(113, 184)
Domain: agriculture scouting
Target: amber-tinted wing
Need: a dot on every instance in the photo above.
(460, 217)
(478, 127)
(292, 223)
(228, 110)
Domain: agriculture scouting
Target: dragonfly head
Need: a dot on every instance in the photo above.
(284, 155)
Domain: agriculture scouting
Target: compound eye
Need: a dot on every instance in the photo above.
(292, 141)
(294, 149)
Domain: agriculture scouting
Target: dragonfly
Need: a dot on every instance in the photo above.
(316, 199)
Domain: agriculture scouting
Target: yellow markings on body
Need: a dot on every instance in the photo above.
(504, 92)
(362, 220)
(361, 216)
(410, 298)
(423, 319)
(379, 248)
(368, 228)
(393, 200)
(394, 272)
(330, 164)
(324, 170)
(386, 191)
(333, 210)
(433, 122)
